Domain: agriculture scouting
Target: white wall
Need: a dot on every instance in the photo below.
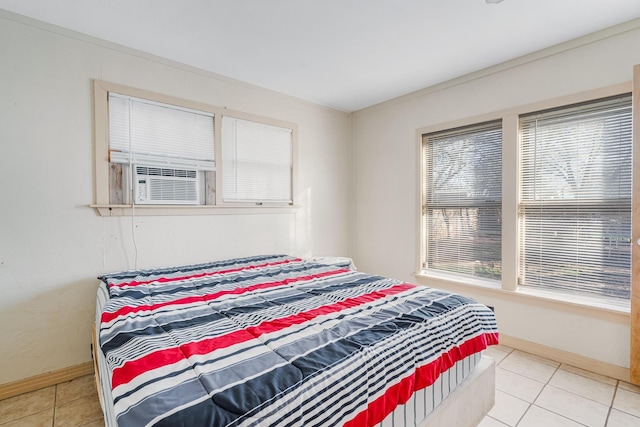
(385, 179)
(53, 246)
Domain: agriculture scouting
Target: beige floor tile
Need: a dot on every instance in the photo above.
(538, 417)
(491, 422)
(628, 386)
(78, 412)
(27, 404)
(537, 358)
(588, 374)
(75, 389)
(503, 348)
(622, 419)
(41, 419)
(496, 354)
(96, 423)
(517, 385)
(508, 409)
(583, 386)
(627, 401)
(572, 406)
(529, 366)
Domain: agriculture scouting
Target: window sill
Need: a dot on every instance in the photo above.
(459, 279)
(609, 305)
(166, 210)
(602, 303)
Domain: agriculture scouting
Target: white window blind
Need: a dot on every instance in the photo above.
(152, 133)
(462, 200)
(257, 162)
(575, 191)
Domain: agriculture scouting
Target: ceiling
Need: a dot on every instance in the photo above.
(346, 54)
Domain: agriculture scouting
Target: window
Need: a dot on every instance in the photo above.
(462, 202)
(159, 152)
(575, 198)
(166, 155)
(257, 161)
(534, 199)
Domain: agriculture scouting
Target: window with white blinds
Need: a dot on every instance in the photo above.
(257, 162)
(462, 200)
(575, 198)
(152, 133)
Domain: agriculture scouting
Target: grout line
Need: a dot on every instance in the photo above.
(547, 383)
(55, 403)
(524, 413)
(588, 398)
(580, 370)
(615, 391)
(541, 389)
(560, 415)
(619, 409)
(540, 392)
(628, 389)
(558, 368)
(497, 420)
(13, 421)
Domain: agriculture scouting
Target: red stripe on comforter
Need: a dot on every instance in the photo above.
(126, 310)
(423, 377)
(168, 356)
(201, 275)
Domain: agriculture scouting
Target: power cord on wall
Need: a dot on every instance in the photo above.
(131, 194)
(133, 231)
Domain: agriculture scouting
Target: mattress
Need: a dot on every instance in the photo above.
(276, 340)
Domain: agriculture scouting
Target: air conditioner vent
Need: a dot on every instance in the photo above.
(154, 171)
(157, 185)
(172, 190)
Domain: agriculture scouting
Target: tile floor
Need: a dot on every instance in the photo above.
(530, 392)
(70, 404)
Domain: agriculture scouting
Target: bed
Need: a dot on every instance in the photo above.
(277, 340)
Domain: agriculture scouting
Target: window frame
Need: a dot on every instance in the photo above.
(101, 186)
(510, 203)
(532, 206)
(220, 166)
(425, 242)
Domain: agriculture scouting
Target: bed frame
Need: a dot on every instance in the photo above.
(470, 402)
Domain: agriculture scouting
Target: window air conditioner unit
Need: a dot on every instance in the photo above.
(154, 185)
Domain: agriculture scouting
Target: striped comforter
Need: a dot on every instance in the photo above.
(277, 341)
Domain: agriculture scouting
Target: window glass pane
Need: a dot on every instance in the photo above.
(462, 179)
(257, 161)
(575, 210)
